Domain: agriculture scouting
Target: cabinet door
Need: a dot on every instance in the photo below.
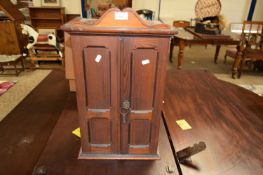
(142, 70)
(96, 62)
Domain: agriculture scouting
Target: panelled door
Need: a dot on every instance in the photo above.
(119, 92)
(97, 92)
(143, 65)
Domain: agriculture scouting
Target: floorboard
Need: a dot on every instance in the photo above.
(228, 118)
(26, 129)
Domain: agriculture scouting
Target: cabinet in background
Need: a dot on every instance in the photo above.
(47, 17)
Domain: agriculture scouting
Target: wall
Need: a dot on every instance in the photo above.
(184, 9)
(232, 10)
(146, 4)
(71, 6)
(258, 13)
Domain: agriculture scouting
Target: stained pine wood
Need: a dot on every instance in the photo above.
(226, 117)
(117, 61)
(143, 86)
(97, 90)
(108, 24)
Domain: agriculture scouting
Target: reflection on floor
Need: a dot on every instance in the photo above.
(200, 57)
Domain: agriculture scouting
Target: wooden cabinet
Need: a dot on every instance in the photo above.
(120, 68)
(11, 38)
(47, 17)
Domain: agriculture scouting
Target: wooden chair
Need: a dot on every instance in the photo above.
(251, 44)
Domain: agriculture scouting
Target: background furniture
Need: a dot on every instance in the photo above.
(226, 117)
(47, 17)
(12, 60)
(118, 88)
(181, 23)
(12, 40)
(147, 14)
(188, 35)
(251, 44)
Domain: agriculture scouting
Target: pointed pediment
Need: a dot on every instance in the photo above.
(119, 21)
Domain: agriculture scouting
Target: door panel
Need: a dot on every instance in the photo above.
(97, 76)
(96, 59)
(140, 132)
(138, 85)
(143, 78)
(100, 127)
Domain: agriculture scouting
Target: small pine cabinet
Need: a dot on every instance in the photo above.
(120, 67)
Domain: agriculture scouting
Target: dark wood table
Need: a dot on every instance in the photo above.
(188, 36)
(228, 118)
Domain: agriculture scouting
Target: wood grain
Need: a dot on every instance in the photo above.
(228, 118)
(25, 130)
(128, 77)
(58, 159)
(108, 24)
(97, 86)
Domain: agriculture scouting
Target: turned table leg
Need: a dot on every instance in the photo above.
(217, 52)
(181, 53)
(235, 66)
(171, 50)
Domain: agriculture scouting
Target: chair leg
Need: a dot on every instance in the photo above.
(240, 68)
(22, 64)
(16, 69)
(171, 51)
(225, 59)
(1, 68)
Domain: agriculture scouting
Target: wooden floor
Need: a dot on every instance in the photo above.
(229, 119)
(25, 130)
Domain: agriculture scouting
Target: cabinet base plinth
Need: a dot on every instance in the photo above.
(100, 156)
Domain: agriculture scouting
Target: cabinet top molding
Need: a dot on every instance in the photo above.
(114, 20)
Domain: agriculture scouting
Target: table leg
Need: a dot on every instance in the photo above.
(217, 52)
(171, 50)
(181, 53)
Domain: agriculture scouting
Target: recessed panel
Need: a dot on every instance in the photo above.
(143, 78)
(99, 132)
(97, 77)
(139, 131)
